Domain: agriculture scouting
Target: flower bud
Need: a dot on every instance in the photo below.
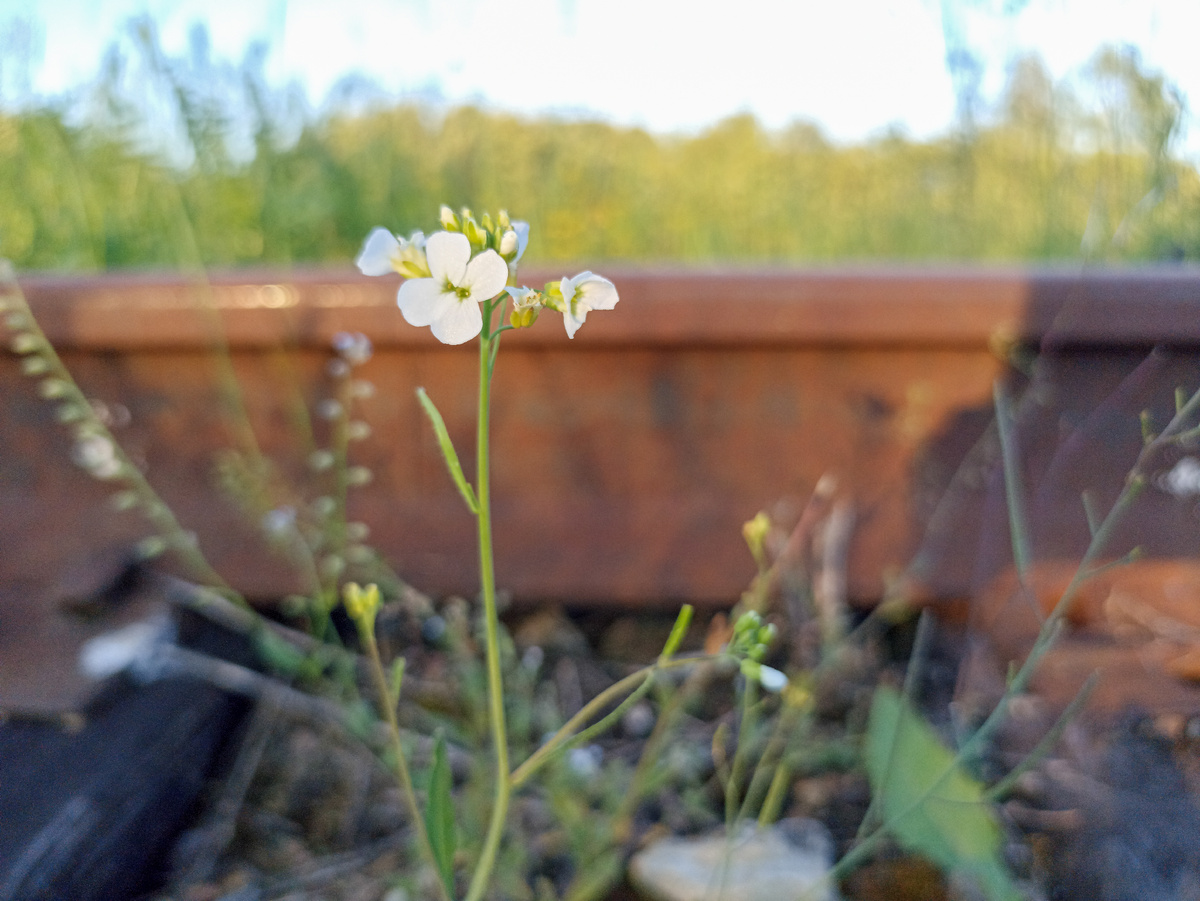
(755, 532)
(772, 679)
(329, 409)
(508, 244)
(476, 235)
(25, 343)
(149, 548)
(35, 365)
(503, 221)
(449, 220)
(124, 500)
(52, 388)
(332, 566)
(361, 604)
(320, 460)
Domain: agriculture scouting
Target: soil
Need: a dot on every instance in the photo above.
(303, 811)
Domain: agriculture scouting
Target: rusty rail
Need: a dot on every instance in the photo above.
(626, 460)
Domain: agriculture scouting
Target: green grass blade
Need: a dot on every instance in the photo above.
(439, 815)
(448, 452)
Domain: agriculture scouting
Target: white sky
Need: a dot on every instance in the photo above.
(854, 66)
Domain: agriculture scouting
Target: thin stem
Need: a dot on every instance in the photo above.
(749, 719)
(387, 705)
(488, 343)
(630, 683)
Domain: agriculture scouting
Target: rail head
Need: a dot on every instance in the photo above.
(968, 307)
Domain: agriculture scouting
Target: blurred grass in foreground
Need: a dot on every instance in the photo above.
(162, 162)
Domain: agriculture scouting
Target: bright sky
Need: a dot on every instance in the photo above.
(855, 66)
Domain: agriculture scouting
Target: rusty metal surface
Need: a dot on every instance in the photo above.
(625, 461)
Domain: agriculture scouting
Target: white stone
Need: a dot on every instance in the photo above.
(782, 862)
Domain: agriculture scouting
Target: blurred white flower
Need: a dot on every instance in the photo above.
(383, 252)
(97, 455)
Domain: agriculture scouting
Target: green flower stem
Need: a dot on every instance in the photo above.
(737, 770)
(387, 706)
(630, 684)
(488, 346)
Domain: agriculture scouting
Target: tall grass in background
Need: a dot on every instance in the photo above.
(93, 180)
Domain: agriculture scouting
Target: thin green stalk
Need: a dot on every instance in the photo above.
(771, 762)
(630, 683)
(749, 705)
(387, 705)
(491, 844)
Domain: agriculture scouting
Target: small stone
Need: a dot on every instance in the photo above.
(786, 860)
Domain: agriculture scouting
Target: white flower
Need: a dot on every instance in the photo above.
(383, 253)
(525, 298)
(525, 302)
(582, 294)
(514, 241)
(772, 679)
(448, 301)
(96, 454)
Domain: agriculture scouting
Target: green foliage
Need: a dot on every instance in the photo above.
(930, 804)
(238, 172)
(439, 815)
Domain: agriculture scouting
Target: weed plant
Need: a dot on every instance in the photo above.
(461, 282)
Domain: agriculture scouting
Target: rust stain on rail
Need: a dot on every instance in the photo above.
(625, 460)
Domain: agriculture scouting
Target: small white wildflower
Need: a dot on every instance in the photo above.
(771, 679)
(353, 347)
(279, 521)
(97, 455)
(329, 409)
(448, 301)
(582, 294)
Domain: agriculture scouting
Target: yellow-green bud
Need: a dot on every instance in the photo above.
(52, 388)
(486, 222)
(502, 220)
(523, 318)
(477, 236)
(25, 343)
(449, 220)
(755, 532)
(361, 604)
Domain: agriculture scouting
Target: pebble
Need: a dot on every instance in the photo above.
(785, 860)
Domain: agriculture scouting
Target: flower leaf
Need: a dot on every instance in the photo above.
(448, 452)
(439, 815)
(931, 805)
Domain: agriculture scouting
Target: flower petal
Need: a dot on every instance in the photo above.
(486, 276)
(596, 291)
(567, 287)
(572, 320)
(448, 253)
(522, 230)
(377, 253)
(458, 322)
(422, 300)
